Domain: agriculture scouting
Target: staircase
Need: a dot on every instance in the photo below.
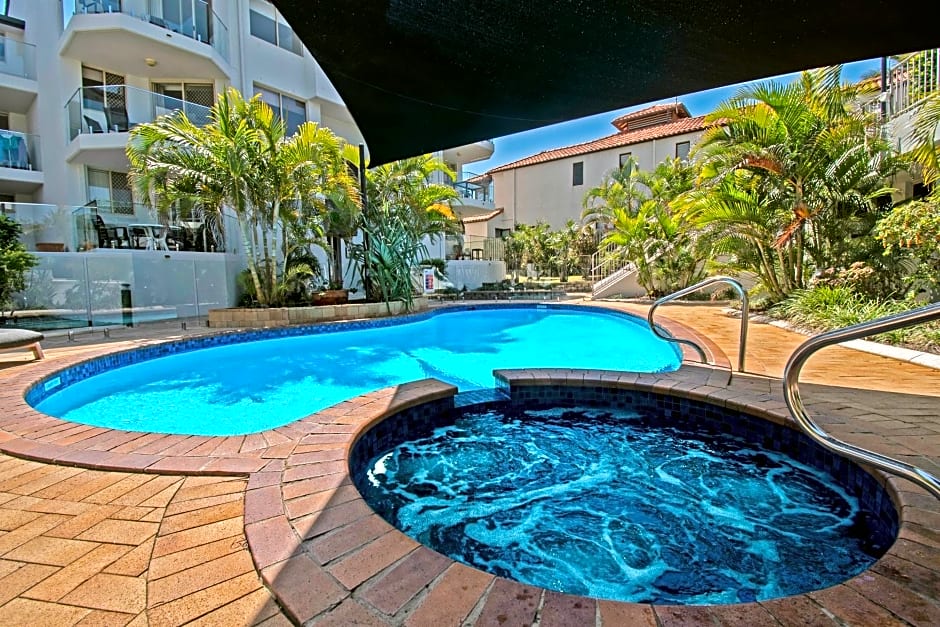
(612, 274)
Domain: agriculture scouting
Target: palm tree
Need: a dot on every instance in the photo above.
(807, 148)
(277, 186)
(925, 152)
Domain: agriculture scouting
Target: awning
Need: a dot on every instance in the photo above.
(423, 75)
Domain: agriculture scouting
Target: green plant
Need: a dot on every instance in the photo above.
(15, 262)
(439, 265)
(823, 308)
(914, 229)
(277, 186)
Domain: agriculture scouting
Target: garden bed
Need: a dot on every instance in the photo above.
(255, 318)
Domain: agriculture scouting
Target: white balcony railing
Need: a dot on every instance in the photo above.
(912, 80)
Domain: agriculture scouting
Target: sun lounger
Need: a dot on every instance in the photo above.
(21, 338)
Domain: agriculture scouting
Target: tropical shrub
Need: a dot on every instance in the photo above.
(824, 308)
(15, 262)
(914, 229)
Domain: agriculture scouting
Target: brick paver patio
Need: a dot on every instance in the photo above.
(277, 520)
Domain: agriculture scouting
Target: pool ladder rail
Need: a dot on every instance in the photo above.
(791, 391)
(745, 309)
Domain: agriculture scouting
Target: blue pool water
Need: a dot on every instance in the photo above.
(613, 505)
(252, 386)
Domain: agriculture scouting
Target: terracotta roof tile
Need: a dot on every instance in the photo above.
(685, 125)
(483, 217)
(679, 108)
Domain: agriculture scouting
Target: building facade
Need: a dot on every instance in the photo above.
(75, 77)
(550, 186)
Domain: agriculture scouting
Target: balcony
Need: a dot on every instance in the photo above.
(474, 247)
(910, 82)
(474, 192)
(99, 118)
(18, 84)
(121, 226)
(20, 167)
(469, 153)
(153, 38)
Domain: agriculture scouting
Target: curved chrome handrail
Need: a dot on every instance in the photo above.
(791, 392)
(742, 294)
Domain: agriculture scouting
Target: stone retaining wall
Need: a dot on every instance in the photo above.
(256, 318)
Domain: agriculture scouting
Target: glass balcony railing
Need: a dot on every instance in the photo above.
(475, 187)
(475, 247)
(19, 151)
(115, 225)
(191, 18)
(17, 58)
(119, 108)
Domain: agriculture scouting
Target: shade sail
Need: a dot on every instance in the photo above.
(422, 75)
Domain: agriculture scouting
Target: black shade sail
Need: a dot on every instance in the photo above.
(421, 75)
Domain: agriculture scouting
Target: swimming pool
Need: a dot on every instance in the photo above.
(260, 382)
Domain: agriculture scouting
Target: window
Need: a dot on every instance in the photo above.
(3, 48)
(291, 110)
(4, 121)
(111, 191)
(273, 29)
(624, 157)
(682, 150)
(104, 102)
(193, 98)
(503, 233)
(577, 173)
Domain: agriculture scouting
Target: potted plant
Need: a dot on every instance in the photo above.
(333, 294)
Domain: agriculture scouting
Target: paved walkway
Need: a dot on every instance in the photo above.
(94, 547)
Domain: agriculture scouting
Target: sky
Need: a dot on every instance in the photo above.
(519, 145)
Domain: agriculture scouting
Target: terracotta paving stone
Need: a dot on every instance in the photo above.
(912, 607)
(28, 531)
(134, 563)
(181, 560)
(349, 613)
(256, 606)
(31, 612)
(47, 506)
(799, 610)
(11, 519)
(684, 615)
(315, 484)
(181, 507)
(304, 590)
(451, 600)
(563, 610)
(199, 577)
(202, 602)
(263, 503)
(271, 541)
(131, 532)
(193, 491)
(52, 551)
(195, 537)
(852, 607)
(512, 603)
(110, 592)
(81, 523)
(331, 518)
(133, 513)
(22, 579)
(328, 547)
(923, 581)
(197, 518)
(56, 586)
(743, 615)
(373, 558)
(102, 618)
(127, 483)
(613, 614)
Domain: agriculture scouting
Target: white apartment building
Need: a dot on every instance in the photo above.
(550, 186)
(75, 77)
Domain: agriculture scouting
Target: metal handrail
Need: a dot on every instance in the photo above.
(791, 393)
(745, 308)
